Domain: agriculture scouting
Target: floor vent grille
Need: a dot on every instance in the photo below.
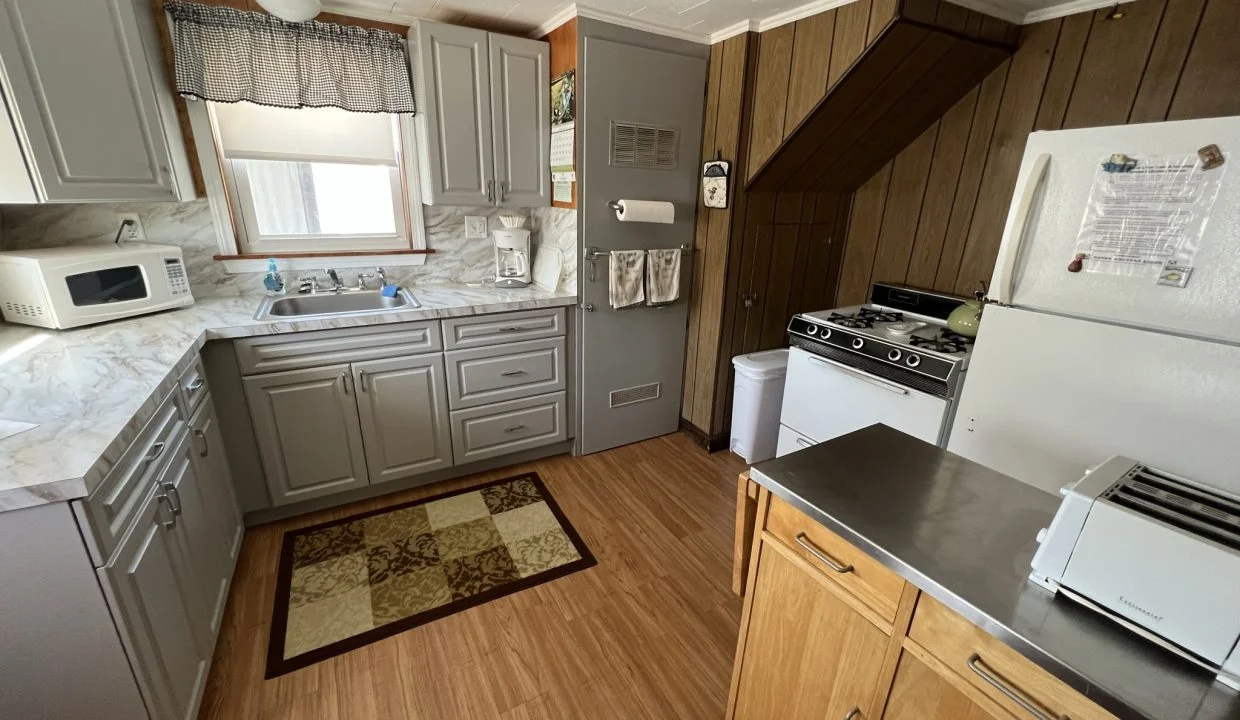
(640, 393)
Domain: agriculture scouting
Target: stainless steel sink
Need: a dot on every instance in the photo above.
(334, 304)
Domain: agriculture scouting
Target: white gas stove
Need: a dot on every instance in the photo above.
(891, 361)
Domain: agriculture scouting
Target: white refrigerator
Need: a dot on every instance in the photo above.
(1070, 368)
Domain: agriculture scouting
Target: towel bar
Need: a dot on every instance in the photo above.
(592, 253)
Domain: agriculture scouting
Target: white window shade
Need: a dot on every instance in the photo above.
(258, 132)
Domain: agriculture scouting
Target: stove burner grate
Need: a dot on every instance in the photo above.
(946, 342)
(865, 318)
(880, 316)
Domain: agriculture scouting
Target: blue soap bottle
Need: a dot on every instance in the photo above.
(273, 281)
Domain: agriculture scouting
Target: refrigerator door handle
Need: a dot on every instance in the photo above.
(1002, 290)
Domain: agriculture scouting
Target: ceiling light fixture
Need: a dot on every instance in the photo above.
(292, 10)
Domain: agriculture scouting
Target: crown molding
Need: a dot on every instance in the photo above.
(568, 13)
(629, 21)
(1071, 7)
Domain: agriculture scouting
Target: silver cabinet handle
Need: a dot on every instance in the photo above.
(805, 443)
(344, 380)
(512, 373)
(509, 329)
(864, 377)
(503, 190)
(171, 522)
(203, 437)
(174, 498)
(490, 191)
(362, 376)
(153, 454)
(195, 384)
(514, 428)
(979, 668)
(853, 714)
(803, 540)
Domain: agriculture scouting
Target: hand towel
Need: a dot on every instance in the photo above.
(662, 276)
(627, 269)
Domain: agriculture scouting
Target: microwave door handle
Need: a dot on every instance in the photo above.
(1002, 291)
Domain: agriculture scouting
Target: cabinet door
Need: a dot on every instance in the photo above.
(403, 406)
(806, 654)
(919, 693)
(85, 97)
(212, 466)
(521, 119)
(308, 434)
(152, 600)
(454, 121)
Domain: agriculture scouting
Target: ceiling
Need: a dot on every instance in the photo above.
(699, 20)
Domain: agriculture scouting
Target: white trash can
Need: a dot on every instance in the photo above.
(756, 401)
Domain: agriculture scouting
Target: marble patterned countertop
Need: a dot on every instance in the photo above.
(90, 390)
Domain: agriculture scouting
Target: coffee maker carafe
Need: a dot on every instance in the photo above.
(512, 253)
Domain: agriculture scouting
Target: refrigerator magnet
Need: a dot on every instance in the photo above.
(715, 183)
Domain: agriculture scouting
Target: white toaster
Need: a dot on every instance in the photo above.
(1155, 552)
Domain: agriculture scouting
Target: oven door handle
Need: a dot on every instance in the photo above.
(864, 377)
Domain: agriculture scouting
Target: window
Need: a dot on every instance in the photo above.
(314, 180)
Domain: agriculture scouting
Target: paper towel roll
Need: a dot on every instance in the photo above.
(651, 211)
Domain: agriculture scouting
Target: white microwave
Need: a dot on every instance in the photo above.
(66, 287)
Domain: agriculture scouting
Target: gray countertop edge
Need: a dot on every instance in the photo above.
(1073, 677)
(81, 485)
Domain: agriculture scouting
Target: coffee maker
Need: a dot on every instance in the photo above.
(512, 253)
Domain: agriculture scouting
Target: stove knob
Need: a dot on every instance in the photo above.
(913, 360)
(826, 333)
(858, 344)
(811, 330)
(894, 355)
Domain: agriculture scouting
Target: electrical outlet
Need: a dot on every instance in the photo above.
(475, 226)
(132, 231)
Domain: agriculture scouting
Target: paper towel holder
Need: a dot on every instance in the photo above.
(614, 205)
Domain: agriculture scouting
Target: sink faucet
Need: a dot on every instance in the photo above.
(337, 286)
(382, 274)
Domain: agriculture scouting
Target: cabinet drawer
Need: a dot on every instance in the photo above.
(193, 386)
(113, 505)
(486, 375)
(863, 576)
(274, 353)
(981, 662)
(480, 330)
(508, 427)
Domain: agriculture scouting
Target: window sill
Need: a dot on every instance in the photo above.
(257, 262)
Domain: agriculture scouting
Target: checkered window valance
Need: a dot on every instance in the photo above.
(227, 55)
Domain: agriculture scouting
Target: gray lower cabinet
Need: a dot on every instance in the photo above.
(508, 427)
(154, 599)
(403, 407)
(211, 515)
(308, 433)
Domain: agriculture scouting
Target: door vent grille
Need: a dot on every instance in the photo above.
(12, 309)
(1193, 509)
(644, 146)
(640, 393)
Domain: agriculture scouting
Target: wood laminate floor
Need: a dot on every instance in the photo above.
(647, 633)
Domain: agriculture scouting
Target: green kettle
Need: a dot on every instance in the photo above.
(967, 317)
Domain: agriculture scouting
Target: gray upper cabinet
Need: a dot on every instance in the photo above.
(154, 599)
(308, 433)
(403, 406)
(483, 122)
(521, 120)
(89, 109)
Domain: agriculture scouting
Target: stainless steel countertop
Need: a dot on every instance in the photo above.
(965, 534)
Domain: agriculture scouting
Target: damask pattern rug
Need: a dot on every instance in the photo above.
(347, 583)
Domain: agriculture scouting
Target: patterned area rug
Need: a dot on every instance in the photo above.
(347, 583)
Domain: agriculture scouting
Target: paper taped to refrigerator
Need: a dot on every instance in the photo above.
(1146, 216)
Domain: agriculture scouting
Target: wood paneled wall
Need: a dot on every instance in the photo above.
(933, 217)
(563, 40)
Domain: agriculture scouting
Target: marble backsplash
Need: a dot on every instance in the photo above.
(456, 259)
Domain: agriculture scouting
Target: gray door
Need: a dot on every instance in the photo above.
(403, 406)
(521, 126)
(308, 432)
(632, 360)
(455, 114)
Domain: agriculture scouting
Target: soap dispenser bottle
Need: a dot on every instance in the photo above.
(273, 281)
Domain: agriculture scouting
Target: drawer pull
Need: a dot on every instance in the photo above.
(803, 540)
(153, 454)
(804, 443)
(979, 668)
(203, 437)
(509, 329)
(853, 714)
(174, 498)
(512, 373)
(195, 384)
(514, 428)
(172, 522)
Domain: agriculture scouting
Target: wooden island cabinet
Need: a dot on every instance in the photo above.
(827, 632)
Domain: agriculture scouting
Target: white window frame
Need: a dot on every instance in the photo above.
(229, 219)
